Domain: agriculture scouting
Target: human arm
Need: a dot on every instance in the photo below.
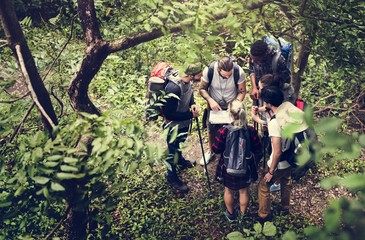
(276, 148)
(255, 116)
(241, 91)
(203, 90)
(254, 92)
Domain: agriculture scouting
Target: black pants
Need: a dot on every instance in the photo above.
(174, 149)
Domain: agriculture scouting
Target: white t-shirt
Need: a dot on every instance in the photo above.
(223, 91)
(275, 131)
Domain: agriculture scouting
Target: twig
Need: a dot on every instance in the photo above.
(17, 129)
(321, 99)
(58, 100)
(30, 87)
(360, 122)
(16, 99)
(63, 48)
(58, 224)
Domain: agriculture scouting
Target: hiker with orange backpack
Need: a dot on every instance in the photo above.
(178, 112)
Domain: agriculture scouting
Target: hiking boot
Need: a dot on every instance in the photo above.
(208, 156)
(184, 164)
(177, 184)
(263, 220)
(275, 187)
(230, 217)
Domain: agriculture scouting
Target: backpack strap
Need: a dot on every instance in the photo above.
(236, 73)
(211, 72)
(274, 62)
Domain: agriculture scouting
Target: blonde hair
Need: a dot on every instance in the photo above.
(238, 113)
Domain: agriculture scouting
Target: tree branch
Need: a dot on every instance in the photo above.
(30, 87)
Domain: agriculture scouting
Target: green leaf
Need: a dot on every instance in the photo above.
(46, 192)
(67, 168)
(354, 182)
(269, 229)
(235, 236)
(5, 204)
(51, 164)
(133, 167)
(156, 21)
(40, 180)
(327, 183)
(37, 154)
(332, 216)
(19, 191)
(257, 227)
(289, 235)
(54, 157)
(57, 187)
(70, 160)
(66, 176)
(328, 125)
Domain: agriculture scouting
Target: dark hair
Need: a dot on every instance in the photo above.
(259, 48)
(272, 80)
(225, 64)
(272, 95)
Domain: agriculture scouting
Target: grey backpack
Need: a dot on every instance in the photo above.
(237, 152)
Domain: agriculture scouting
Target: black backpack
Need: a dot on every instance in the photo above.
(237, 153)
(292, 148)
(236, 73)
(157, 97)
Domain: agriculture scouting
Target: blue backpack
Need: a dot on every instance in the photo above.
(282, 47)
(237, 152)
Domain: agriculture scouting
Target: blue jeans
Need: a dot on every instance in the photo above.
(174, 149)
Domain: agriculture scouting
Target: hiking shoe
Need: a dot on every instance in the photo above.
(184, 164)
(284, 212)
(275, 187)
(208, 156)
(177, 184)
(230, 217)
(263, 220)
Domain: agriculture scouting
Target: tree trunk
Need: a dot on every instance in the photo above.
(301, 64)
(18, 44)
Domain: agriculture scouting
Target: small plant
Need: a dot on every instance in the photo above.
(258, 232)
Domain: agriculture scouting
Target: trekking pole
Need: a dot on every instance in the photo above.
(265, 137)
(205, 162)
(255, 124)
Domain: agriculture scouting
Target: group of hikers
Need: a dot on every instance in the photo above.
(223, 86)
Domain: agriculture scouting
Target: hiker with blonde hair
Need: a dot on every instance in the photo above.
(240, 147)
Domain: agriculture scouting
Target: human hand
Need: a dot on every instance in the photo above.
(254, 93)
(214, 105)
(268, 177)
(195, 110)
(255, 110)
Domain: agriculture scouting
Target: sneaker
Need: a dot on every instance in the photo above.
(275, 187)
(177, 184)
(184, 164)
(208, 156)
(230, 217)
